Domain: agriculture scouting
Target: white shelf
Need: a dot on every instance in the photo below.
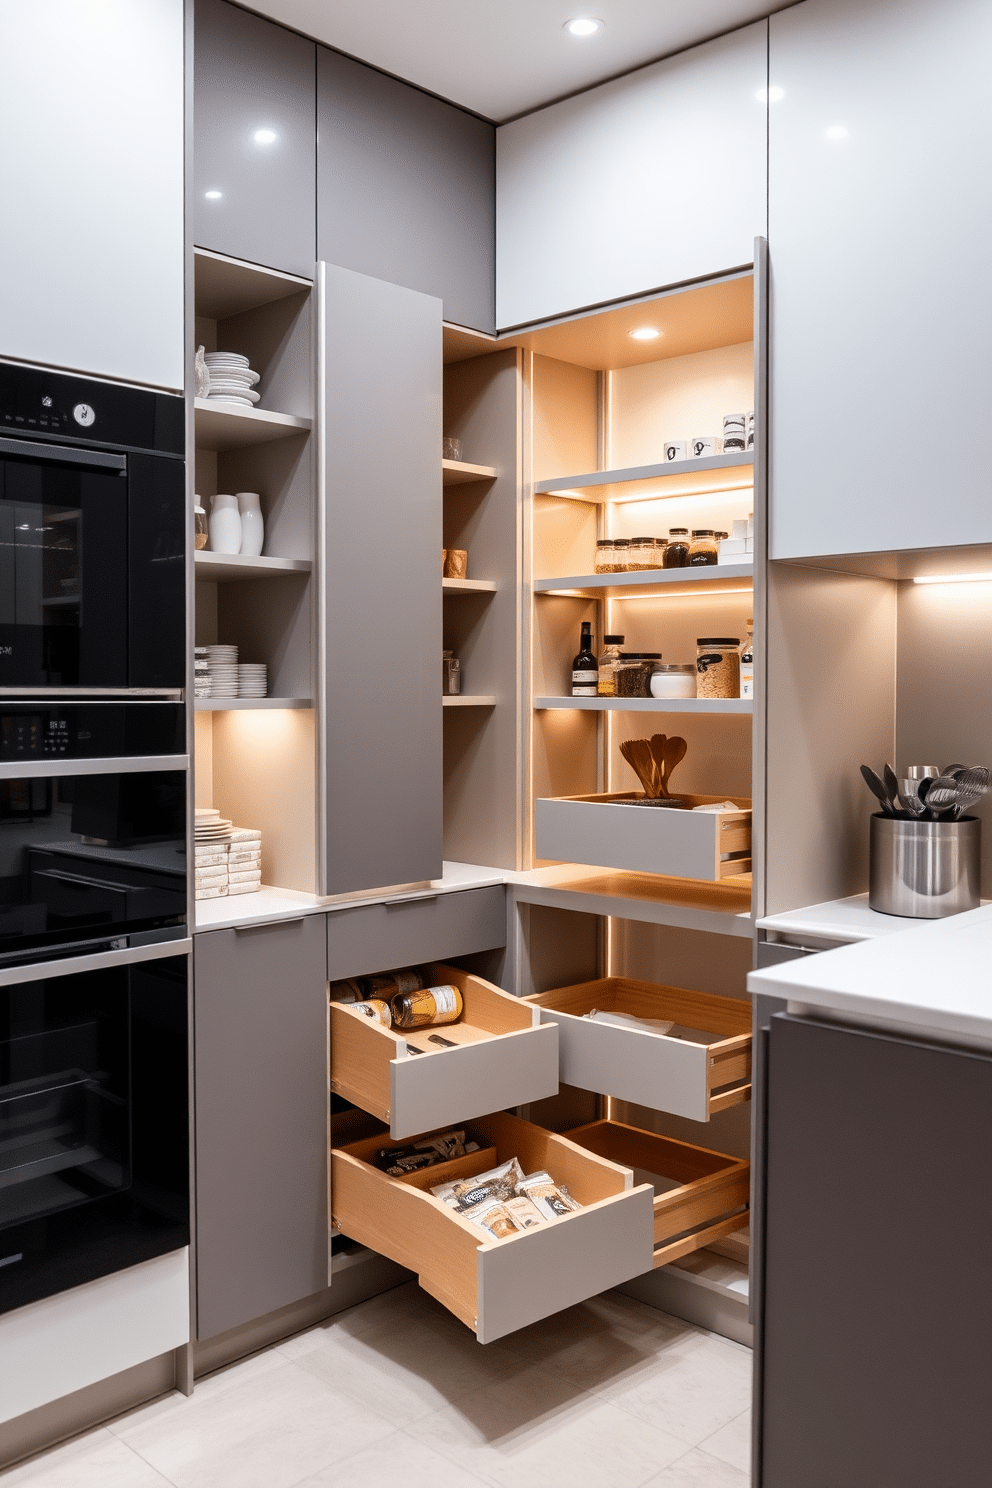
(460, 472)
(230, 704)
(648, 705)
(225, 426)
(222, 566)
(672, 477)
(228, 286)
(468, 586)
(466, 700)
(665, 580)
(848, 920)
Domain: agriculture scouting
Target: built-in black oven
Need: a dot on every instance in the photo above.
(94, 1123)
(92, 534)
(93, 799)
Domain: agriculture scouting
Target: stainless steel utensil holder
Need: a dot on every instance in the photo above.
(924, 870)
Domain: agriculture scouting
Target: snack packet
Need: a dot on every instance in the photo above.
(493, 1216)
(550, 1198)
(497, 1183)
(398, 1161)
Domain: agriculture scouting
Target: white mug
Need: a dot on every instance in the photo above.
(676, 449)
(705, 444)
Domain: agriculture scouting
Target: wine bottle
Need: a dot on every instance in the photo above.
(585, 668)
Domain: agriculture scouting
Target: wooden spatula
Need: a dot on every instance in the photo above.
(638, 754)
(667, 753)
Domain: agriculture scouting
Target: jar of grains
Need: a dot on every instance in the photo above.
(633, 674)
(604, 555)
(703, 548)
(621, 554)
(718, 667)
(641, 552)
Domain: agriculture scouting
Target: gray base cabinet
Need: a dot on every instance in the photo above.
(875, 1315)
(260, 1020)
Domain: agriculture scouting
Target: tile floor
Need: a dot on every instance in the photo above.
(396, 1394)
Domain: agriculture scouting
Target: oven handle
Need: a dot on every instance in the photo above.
(65, 454)
(47, 769)
(38, 971)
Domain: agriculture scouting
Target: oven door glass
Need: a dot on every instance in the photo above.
(88, 859)
(63, 574)
(93, 1125)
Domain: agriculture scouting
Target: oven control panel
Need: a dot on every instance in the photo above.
(35, 402)
(110, 730)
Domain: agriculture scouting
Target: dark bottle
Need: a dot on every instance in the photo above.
(585, 667)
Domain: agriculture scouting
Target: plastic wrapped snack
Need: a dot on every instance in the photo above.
(466, 1193)
(550, 1198)
(398, 1161)
(525, 1213)
(495, 1217)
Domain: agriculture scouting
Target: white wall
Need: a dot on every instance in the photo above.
(650, 180)
(91, 185)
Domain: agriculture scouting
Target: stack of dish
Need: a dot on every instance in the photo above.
(231, 378)
(252, 680)
(223, 670)
(210, 874)
(211, 826)
(201, 673)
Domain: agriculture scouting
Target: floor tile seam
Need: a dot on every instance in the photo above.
(719, 1462)
(666, 1430)
(474, 1474)
(142, 1458)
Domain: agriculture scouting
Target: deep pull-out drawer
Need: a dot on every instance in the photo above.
(613, 831)
(407, 931)
(497, 1286)
(702, 1066)
(499, 1054)
(699, 1195)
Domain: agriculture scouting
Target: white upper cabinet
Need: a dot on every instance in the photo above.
(650, 180)
(91, 181)
(880, 201)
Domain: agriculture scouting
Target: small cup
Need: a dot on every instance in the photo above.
(705, 444)
(676, 449)
(451, 449)
(734, 432)
(456, 564)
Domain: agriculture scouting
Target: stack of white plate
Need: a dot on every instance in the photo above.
(211, 826)
(223, 664)
(231, 378)
(201, 673)
(252, 680)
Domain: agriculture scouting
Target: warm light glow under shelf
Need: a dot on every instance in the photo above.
(972, 578)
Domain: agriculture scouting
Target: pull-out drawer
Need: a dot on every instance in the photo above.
(497, 1286)
(501, 1055)
(702, 1066)
(407, 931)
(699, 1195)
(613, 831)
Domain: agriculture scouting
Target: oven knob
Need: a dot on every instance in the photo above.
(83, 414)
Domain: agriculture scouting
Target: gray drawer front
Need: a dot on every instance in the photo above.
(377, 937)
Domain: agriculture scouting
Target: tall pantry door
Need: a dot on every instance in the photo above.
(379, 487)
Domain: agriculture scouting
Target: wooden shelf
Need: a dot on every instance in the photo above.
(225, 426)
(466, 700)
(227, 566)
(647, 705)
(667, 581)
(672, 478)
(722, 908)
(232, 704)
(460, 472)
(468, 586)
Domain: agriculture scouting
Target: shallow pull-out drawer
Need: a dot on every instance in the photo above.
(404, 932)
(701, 1066)
(699, 1195)
(613, 831)
(497, 1286)
(500, 1054)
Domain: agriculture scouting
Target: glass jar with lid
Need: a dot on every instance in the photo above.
(703, 549)
(641, 552)
(604, 555)
(633, 673)
(718, 666)
(673, 679)
(621, 554)
(201, 529)
(677, 549)
(658, 545)
(608, 663)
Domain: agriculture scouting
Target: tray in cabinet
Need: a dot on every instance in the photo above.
(498, 1286)
(502, 1054)
(613, 831)
(702, 1066)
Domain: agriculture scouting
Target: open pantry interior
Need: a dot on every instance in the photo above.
(255, 757)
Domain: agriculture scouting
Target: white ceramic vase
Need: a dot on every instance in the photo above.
(252, 524)
(225, 525)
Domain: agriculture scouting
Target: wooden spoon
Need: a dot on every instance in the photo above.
(637, 753)
(675, 751)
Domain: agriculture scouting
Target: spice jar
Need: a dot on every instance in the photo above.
(703, 549)
(718, 667)
(608, 663)
(677, 551)
(201, 531)
(633, 673)
(604, 555)
(429, 1006)
(658, 546)
(451, 674)
(621, 551)
(641, 552)
(673, 679)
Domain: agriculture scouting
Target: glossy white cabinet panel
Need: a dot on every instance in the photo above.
(649, 180)
(880, 200)
(91, 180)
(51, 1348)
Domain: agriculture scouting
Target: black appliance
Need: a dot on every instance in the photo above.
(94, 1121)
(92, 534)
(92, 826)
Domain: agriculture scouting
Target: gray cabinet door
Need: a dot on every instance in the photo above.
(881, 298)
(260, 1031)
(875, 1316)
(406, 188)
(255, 144)
(379, 408)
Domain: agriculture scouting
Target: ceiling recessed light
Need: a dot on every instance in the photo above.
(836, 132)
(213, 195)
(769, 95)
(264, 136)
(644, 333)
(583, 26)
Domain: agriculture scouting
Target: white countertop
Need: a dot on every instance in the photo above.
(838, 919)
(933, 979)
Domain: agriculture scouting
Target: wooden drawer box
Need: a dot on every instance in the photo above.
(692, 1079)
(611, 832)
(405, 932)
(504, 1055)
(699, 1195)
(497, 1286)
